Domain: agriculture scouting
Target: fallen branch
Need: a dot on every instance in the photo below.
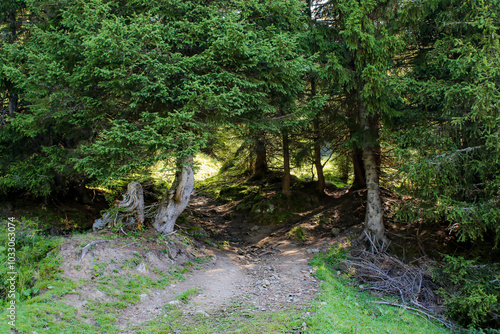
(86, 248)
(130, 244)
(420, 312)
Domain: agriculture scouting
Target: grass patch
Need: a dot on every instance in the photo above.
(188, 294)
(341, 308)
(238, 318)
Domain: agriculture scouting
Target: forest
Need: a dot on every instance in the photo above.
(396, 102)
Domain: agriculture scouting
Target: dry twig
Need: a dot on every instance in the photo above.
(390, 276)
(86, 248)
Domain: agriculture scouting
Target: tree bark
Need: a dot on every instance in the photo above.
(176, 199)
(13, 101)
(317, 141)
(359, 181)
(133, 200)
(260, 166)
(287, 179)
(374, 219)
(317, 159)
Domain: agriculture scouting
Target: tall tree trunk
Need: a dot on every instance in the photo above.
(355, 129)
(13, 100)
(260, 166)
(287, 179)
(359, 181)
(344, 167)
(374, 219)
(317, 159)
(317, 141)
(176, 199)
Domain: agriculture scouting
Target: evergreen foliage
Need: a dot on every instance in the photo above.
(99, 92)
(116, 87)
(449, 138)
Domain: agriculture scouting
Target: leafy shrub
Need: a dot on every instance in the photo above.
(472, 298)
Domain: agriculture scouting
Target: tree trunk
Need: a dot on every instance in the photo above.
(359, 181)
(13, 100)
(176, 199)
(374, 219)
(318, 164)
(344, 168)
(317, 142)
(133, 200)
(287, 179)
(260, 166)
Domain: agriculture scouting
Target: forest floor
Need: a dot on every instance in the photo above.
(229, 262)
(258, 266)
(243, 261)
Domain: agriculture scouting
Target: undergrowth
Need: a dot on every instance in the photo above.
(471, 291)
(36, 260)
(343, 308)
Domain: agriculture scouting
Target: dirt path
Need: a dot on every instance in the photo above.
(269, 278)
(262, 269)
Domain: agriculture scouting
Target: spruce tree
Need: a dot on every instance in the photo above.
(116, 87)
(450, 137)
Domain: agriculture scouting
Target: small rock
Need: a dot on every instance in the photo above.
(323, 303)
(361, 286)
(304, 326)
(313, 250)
(174, 302)
(254, 228)
(266, 282)
(141, 268)
(144, 296)
(338, 273)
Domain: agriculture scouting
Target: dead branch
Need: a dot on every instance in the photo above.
(390, 276)
(86, 248)
(419, 312)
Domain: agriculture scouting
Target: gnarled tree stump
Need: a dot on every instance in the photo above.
(133, 202)
(176, 199)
